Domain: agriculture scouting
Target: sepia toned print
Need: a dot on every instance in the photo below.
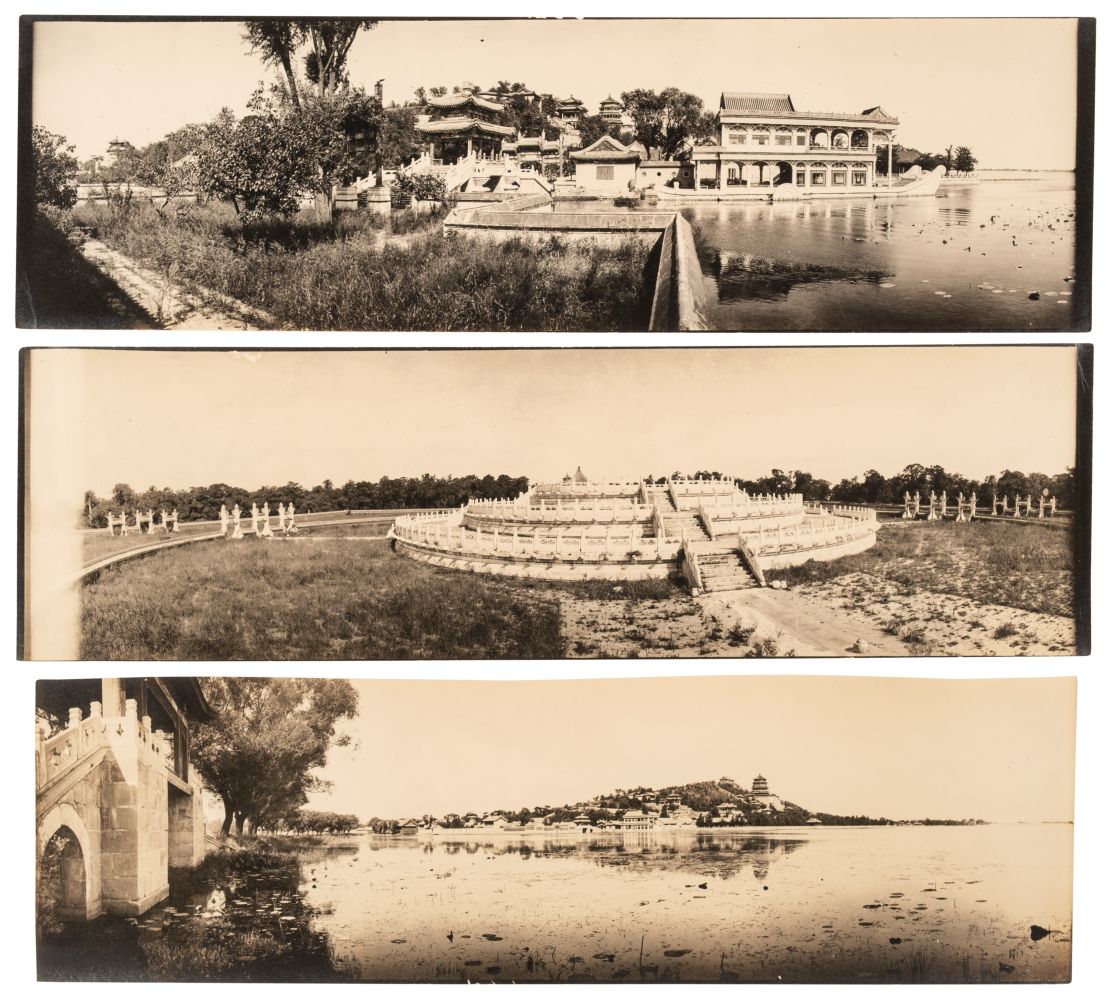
(234, 829)
(903, 174)
(745, 502)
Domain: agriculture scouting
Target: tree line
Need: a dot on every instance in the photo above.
(874, 487)
(202, 503)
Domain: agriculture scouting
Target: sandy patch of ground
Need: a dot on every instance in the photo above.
(932, 624)
(856, 615)
(675, 626)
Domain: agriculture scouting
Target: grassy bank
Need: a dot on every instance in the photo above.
(995, 563)
(238, 917)
(254, 600)
(360, 273)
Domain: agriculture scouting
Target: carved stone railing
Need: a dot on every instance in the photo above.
(58, 755)
(617, 542)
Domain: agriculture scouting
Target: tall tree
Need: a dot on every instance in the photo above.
(268, 736)
(276, 40)
(668, 120)
(54, 168)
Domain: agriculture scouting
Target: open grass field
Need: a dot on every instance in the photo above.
(1016, 566)
(339, 593)
(353, 275)
(322, 600)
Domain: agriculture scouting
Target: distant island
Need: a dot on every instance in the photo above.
(723, 803)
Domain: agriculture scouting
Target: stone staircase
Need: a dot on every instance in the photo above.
(724, 571)
(678, 522)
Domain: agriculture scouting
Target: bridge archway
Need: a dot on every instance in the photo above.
(68, 869)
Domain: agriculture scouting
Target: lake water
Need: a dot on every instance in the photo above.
(965, 260)
(879, 904)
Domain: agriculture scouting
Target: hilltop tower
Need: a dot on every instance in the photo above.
(760, 785)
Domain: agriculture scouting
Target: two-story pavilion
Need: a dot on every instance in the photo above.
(763, 140)
(463, 125)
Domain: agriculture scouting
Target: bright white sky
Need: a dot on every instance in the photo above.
(903, 748)
(188, 418)
(1004, 87)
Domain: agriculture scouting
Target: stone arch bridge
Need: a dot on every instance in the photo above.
(116, 804)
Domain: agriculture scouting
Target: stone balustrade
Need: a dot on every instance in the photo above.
(58, 754)
(813, 531)
(570, 510)
(738, 504)
(619, 542)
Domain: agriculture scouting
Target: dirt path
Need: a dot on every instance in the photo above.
(172, 307)
(829, 619)
(800, 625)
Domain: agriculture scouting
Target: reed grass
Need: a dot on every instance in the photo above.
(348, 275)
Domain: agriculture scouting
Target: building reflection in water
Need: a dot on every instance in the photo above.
(723, 854)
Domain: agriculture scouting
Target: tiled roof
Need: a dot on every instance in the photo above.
(448, 125)
(607, 150)
(460, 100)
(770, 104)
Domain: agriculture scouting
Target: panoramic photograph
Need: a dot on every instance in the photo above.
(551, 503)
(903, 174)
(251, 830)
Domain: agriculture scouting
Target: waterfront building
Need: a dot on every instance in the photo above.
(463, 125)
(607, 166)
(763, 140)
(635, 819)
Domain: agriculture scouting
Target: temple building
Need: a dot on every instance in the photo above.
(463, 125)
(570, 110)
(760, 785)
(608, 165)
(762, 140)
(533, 152)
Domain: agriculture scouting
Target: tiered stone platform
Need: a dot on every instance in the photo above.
(716, 536)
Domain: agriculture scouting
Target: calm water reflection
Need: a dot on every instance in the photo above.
(966, 260)
(884, 904)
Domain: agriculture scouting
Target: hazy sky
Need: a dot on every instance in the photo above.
(1004, 87)
(179, 419)
(999, 749)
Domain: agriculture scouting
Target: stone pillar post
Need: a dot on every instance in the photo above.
(111, 696)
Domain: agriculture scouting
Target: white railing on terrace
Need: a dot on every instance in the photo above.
(740, 504)
(59, 754)
(451, 537)
(571, 510)
(812, 532)
(603, 489)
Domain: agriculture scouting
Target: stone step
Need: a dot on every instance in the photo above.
(715, 586)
